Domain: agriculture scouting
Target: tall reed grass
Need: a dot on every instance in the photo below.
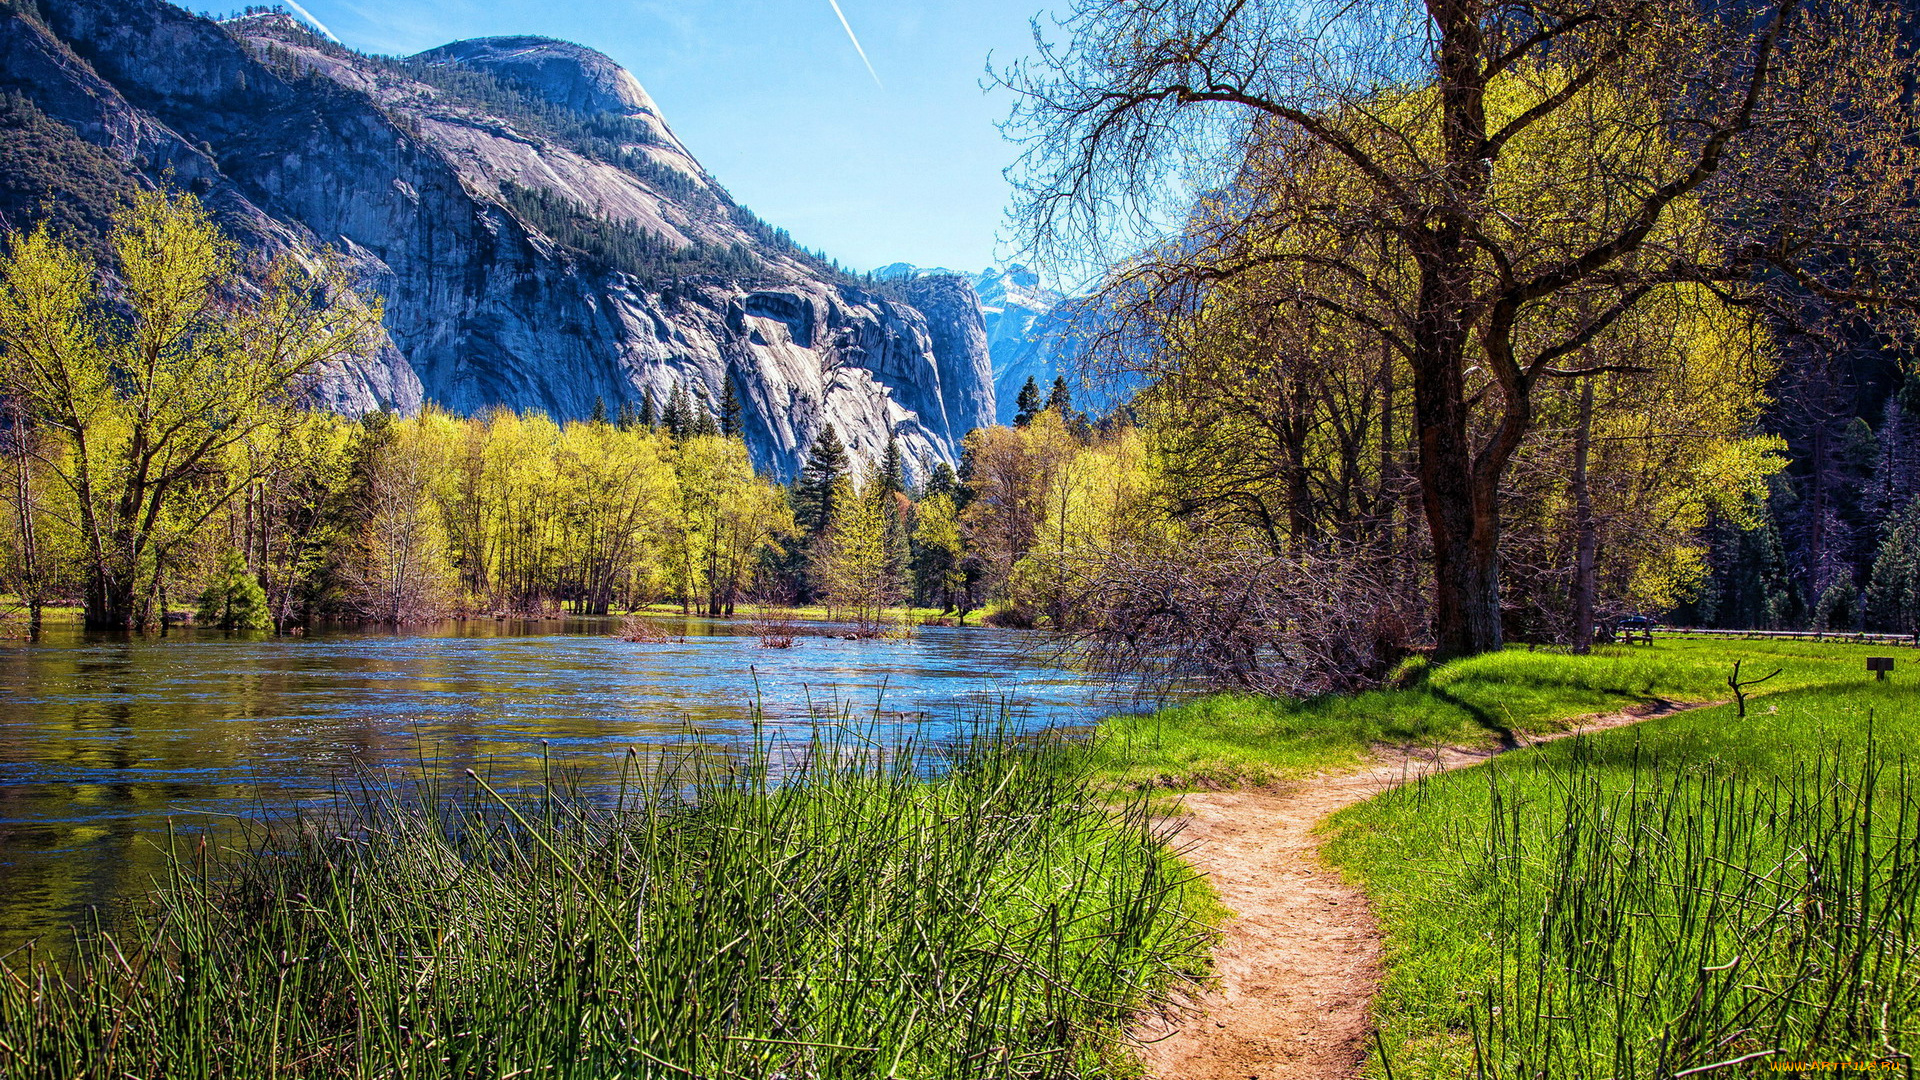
(831, 910)
(1704, 920)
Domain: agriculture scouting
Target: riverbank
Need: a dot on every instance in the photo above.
(829, 909)
(14, 614)
(1691, 890)
(1490, 701)
(1005, 909)
(107, 739)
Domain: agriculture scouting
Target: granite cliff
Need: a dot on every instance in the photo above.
(1033, 332)
(542, 238)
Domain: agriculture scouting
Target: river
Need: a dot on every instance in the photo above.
(108, 742)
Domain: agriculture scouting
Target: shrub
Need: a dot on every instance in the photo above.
(234, 600)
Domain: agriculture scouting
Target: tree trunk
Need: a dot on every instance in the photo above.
(1387, 504)
(1586, 538)
(110, 603)
(1462, 508)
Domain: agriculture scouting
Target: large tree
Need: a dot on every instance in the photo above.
(1487, 188)
(153, 372)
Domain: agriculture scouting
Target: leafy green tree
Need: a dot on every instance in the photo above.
(1485, 189)
(153, 371)
(34, 563)
(939, 555)
(288, 522)
(233, 599)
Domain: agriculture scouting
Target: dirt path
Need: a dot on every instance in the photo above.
(1299, 961)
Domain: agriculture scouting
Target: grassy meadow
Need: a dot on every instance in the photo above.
(1691, 892)
(1697, 894)
(1228, 739)
(804, 911)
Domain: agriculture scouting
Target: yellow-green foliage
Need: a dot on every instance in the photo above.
(145, 380)
(533, 512)
(1049, 502)
(1290, 417)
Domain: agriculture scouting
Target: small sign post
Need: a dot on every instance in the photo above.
(1880, 665)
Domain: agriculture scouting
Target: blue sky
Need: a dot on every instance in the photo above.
(773, 99)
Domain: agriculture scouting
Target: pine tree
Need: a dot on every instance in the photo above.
(1896, 472)
(814, 492)
(893, 469)
(649, 414)
(1893, 592)
(234, 600)
(679, 417)
(1028, 403)
(730, 411)
(858, 564)
(599, 414)
(944, 481)
(1751, 584)
(1061, 401)
(624, 420)
(703, 418)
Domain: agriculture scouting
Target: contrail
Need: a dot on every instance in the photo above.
(856, 44)
(317, 24)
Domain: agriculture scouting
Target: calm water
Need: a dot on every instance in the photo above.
(105, 740)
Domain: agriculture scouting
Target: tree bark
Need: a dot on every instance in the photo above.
(1458, 493)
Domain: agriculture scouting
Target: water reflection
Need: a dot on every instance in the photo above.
(106, 740)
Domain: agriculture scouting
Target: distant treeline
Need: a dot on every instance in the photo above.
(622, 246)
(158, 452)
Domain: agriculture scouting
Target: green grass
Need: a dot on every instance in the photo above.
(13, 610)
(814, 911)
(1670, 896)
(1229, 739)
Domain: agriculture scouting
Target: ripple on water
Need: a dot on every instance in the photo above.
(106, 742)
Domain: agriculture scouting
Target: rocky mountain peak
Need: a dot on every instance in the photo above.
(571, 76)
(540, 237)
(279, 24)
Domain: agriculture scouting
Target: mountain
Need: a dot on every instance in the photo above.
(542, 238)
(1025, 336)
(1032, 332)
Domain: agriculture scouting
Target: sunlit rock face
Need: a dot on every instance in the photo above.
(541, 238)
(1021, 335)
(1030, 331)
